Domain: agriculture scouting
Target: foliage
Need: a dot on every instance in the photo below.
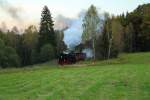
(46, 32)
(106, 43)
(12, 39)
(102, 44)
(47, 53)
(128, 38)
(91, 23)
(128, 32)
(8, 56)
(27, 43)
(60, 44)
(117, 34)
(140, 18)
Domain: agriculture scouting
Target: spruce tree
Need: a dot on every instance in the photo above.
(46, 32)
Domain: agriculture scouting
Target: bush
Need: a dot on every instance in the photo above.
(47, 53)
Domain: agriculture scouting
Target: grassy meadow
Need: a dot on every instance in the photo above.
(124, 78)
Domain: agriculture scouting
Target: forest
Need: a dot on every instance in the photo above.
(125, 33)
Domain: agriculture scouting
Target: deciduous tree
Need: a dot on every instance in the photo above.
(91, 23)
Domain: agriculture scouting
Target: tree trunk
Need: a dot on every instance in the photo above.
(109, 47)
(94, 57)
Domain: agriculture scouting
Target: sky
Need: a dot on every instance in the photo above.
(29, 11)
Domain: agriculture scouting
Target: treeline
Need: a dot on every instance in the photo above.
(128, 32)
(33, 46)
(132, 29)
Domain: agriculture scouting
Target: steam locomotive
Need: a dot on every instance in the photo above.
(70, 58)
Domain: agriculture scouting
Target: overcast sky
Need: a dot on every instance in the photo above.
(30, 10)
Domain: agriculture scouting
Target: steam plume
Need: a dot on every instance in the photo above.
(72, 36)
(88, 52)
(62, 23)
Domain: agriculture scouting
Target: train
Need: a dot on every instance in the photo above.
(70, 58)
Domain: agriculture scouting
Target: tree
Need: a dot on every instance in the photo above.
(12, 39)
(110, 41)
(15, 30)
(91, 23)
(11, 57)
(103, 42)
(2, 36)
(128, 40)
(107, 37)
(61, 46)
(46, 32)
(29, 43)
(47, 53)
(1, 43)
(31, 37)
(8, 56)
(102, 45)
(145, 36)
(140, 18)
(117, 34)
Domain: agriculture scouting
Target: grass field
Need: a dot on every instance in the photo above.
(124, 78)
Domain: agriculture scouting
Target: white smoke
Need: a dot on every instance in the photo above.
(88, 52)
(72, 36)
(62, 22)
(72, 29)
(73, 32)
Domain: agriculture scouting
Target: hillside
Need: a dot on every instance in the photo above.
(125, 78)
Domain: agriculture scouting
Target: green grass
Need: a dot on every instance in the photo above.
(124, 78)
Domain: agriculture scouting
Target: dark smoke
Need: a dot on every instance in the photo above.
(13, 11)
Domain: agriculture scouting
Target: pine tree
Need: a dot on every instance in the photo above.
(46, 32)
